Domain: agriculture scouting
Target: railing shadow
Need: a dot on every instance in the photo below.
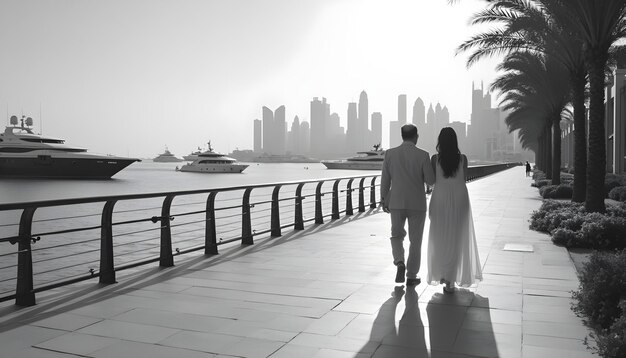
(451, 327)
(66, 299)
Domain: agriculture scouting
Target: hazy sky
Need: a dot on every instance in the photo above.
(131, 76)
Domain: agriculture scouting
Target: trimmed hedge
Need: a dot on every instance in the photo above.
(570, 225)
(618, 193)
(601, 301)
(562, 191)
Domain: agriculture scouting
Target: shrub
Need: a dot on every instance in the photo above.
(612, 181)
(571, 170)
(542, 182)
(562, 191)
(570, 225)
(611, 343)
(618, 193)
(538, 175)
(602, 283)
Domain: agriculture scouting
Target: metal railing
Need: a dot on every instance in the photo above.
(236, 215)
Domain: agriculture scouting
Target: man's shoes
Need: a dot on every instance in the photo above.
(413, 281)
(401, 271)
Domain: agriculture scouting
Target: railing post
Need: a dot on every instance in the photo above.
(373, 194)
(319, 215)
(210, 235)
(24, 295)
(349, 210)
(335, 212)
(298, 222)
(107, 263)
(166, 257)
(362, 195)
(246, 222)
(275, 212)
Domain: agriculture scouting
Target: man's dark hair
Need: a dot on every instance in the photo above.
(409, 131)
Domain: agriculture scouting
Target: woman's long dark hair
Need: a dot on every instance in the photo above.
(449, 153)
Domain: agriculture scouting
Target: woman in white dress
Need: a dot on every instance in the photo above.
(452, 250)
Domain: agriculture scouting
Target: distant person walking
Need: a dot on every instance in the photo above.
(405, 170)
(452, 250)
(528, 169)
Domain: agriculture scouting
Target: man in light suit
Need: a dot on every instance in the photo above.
(405, 170)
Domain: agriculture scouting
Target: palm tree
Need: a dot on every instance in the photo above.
(599, 24)
(539, 85)
(537, 26)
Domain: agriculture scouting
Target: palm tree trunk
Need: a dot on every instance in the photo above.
(596, 161)
(580, 136)
(548, 152)
(556, 150)
(539, 154)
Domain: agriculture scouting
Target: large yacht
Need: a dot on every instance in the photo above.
(370, 160)
(24, 154)
(167, 157)
(193, 155)
(211, 162)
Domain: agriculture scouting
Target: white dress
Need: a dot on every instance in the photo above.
(452, 249)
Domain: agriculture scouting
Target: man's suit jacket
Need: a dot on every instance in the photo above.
(405, 170)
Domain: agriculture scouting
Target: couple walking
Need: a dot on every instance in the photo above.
(452, 251)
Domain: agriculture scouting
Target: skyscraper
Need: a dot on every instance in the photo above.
(419, 113)
(305, 137)
(352, 130)
(294, 137)
(377, 128)
(402, 109)
(274, 130)
(258, 136)
(363, 117)
(268, 130)
(280, 130)
(318, 126)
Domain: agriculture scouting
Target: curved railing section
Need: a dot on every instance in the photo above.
(59, 242)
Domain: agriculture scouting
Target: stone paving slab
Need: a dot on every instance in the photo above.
(327, 291)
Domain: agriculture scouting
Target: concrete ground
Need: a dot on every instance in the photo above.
(325, 292)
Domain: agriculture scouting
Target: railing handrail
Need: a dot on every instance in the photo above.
(99, 199)
(25, 290)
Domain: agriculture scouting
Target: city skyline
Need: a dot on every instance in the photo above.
(486, 138)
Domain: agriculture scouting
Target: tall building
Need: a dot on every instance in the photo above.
(377, 128)
(293, 137)
(419, 113)
(461, 134)
(352, 130)
(363, 117)
(318, 126)
(402, 109)
(280, 130)
(258, 136)
(395, 137)
(274, 130)
(305, 137)
(268, 130)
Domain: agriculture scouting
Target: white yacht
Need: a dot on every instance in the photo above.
(211, 162)
(370, 160)
(166, 157)
(24, 154)
(193, 155)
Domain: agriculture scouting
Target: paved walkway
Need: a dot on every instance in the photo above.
(324, 292)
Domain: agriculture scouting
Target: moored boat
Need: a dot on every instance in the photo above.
(166, 157)
(369, 160)
(211, 162)
(24, 154)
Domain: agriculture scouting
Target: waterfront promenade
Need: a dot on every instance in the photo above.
(327, 291)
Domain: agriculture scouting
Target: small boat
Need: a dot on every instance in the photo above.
(24, 154)
(211, 162)
(166, 157)
(369, 160)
